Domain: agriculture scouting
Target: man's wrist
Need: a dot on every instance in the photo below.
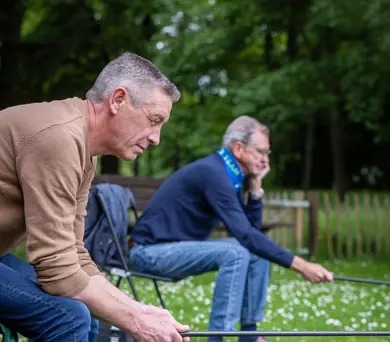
(298, 264)
(256, 195)
(255, 185)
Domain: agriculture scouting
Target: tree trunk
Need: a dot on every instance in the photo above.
(110, 165)
(332, 41)
(337, 146)
(308, 159)
(268, 48)
(150, 161)
(11, 18)
(176, 157)
(292, 34)
(148, 29)
(136, 167)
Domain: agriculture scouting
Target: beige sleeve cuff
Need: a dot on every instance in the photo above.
(92, 270)
(68, 287)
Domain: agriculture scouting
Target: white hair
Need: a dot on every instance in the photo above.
(134, 73)
(242, 129)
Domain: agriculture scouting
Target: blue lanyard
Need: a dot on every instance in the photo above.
(232, 168)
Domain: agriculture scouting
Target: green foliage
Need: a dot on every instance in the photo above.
(287, 63)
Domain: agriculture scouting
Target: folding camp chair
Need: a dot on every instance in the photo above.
(121, 268)
(7, 335)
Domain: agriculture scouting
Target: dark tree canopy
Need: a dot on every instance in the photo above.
(316, 72)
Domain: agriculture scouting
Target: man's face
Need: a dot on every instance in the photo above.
(132, 130)
(255, 157)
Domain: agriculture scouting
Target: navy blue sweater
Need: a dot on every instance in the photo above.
(194, 200)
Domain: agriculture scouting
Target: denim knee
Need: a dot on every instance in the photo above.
(81, 317)
(71, 322)
(264, 263)
(236, 254)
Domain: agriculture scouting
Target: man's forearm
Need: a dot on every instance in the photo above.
(298, 264)
(120, 295)
(255, 185)
(310, 271)
(144, 323)
(106, 301)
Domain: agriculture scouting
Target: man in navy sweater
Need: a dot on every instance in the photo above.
(171, 237)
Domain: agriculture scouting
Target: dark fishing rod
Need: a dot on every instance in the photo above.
(361, 280)
(283, 333)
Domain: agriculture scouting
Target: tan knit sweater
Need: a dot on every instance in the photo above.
(45, 175)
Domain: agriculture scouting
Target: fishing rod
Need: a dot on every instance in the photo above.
(283, 333)
(361, 280)
(299, 333)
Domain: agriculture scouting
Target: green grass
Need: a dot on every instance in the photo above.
(292, 302)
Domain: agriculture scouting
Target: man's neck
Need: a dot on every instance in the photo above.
(95, 129)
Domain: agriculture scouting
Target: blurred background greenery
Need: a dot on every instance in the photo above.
(315, 71)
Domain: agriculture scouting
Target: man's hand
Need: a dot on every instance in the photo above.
(316, 273)
(264, 171)
(255, 182)
(146, 323)
(311, 272)
(154, 324)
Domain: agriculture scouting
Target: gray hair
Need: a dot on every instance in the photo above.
(135, 74)
(242, 129)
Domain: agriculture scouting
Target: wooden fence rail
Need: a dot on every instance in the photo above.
(279, 206)
(360, 225)
(313, 223)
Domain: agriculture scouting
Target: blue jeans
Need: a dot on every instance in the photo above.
(241, 286)
(27, 309)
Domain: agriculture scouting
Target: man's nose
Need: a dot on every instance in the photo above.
(264, 158)
(154, 138)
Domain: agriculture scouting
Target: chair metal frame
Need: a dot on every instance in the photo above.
(125, 270)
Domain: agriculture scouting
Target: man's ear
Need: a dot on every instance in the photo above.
(117, 100)
(237, 149)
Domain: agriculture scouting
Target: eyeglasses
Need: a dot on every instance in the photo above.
(260, 151)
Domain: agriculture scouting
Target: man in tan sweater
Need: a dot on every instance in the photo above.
(48, 156)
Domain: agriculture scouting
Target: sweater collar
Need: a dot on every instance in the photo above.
(232, 167)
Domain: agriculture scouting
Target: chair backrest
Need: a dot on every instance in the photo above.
(7, 334)
(133, 205)
(108, 248)
(142, 187)
(104, 226)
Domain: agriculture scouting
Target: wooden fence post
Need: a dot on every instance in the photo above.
(367, 209)
(359, 239)
(338, 213)
(348, 226)
(387, 223)
(299, 219)
(327, 226)
(377, 214)
(313, 223)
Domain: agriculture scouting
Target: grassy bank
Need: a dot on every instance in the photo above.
(293, 303)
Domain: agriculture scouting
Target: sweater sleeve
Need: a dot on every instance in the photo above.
(226, 204)
(86, 263)
(50, 173)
